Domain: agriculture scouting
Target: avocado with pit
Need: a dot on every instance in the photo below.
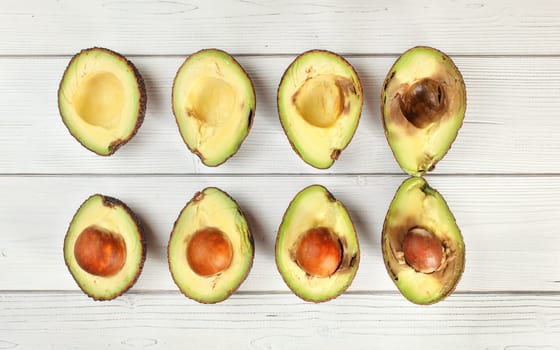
(319, 103)
(317, 251)
(214, 103)
(102, 99)
(423, 103)
(422, 245)
(211, 249)
(104, 248)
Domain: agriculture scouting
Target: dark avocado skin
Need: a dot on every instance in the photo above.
(196, 198)
(141, 106)
(112, 202)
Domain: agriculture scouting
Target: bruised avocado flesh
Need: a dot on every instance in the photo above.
(102, 99)
(422, 245)
(317, 250)
(210, 250)
(319, 103)
(104, 248)
(214, 104)
(423, 104)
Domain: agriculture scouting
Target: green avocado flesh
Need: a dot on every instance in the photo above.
(214, 104)
(319, 103)
(423, 104)
(315, 207)
(414, 206)
(215, 210)
(102, 100)
(113, 218)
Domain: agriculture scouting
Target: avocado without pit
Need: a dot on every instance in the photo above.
(213, 101)
(319, 104)
(102, 100)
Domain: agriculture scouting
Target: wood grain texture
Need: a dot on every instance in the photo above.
(280, 321)
(501, 178)
(271, 27)
(509, 225)
(510, 126)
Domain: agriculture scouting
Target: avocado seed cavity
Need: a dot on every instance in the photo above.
(99, 99)
(319, 252)
(209, 252)
(100, 251)
(423, 102)
(423, 251)
(212, 101)
(319, 101)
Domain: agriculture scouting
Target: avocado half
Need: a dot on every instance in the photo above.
(102, 99)
(423, 103)
(317, 251)
(104, 248)
(214, 104)
(422, 245)
(211, 248)
(319, 103)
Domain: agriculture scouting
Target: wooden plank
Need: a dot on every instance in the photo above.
(260, 26)
(161, 321)
(509, 225)
(509, 127)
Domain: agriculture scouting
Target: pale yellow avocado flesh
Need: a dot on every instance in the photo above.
(111, 215)
(210, 208)
(100, 99)
(417, 150)
(314, 207)
(214, 103)
(417, 205)
(319, 104)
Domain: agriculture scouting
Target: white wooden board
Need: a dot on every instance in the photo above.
(508, 224)
(152, 27)
(511, 125)
(501, 178)
(279, 321)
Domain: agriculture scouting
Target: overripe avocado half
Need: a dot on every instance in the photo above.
(317, 251)
(211, 248)
(423, 248)
(102, 99)
(104, 248)
(214, 103)
(423, 104)
(319, 103)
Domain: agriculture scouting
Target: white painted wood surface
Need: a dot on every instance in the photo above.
(511, 124)
(496, 215)
(501, 178)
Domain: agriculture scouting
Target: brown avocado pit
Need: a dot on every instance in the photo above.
(100, 251)
(319, 252)
(423, 251)
(209, 252)
(424, 102)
